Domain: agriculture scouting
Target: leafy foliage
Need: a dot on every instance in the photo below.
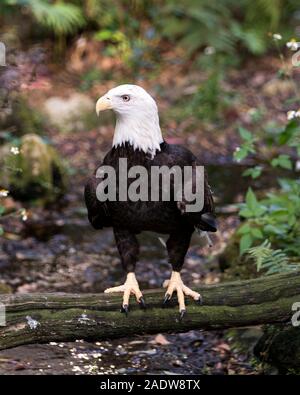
(253, 172)
(240, 24)
(59, 17)
(247, 147)
(276, 218)
(282, 161)
(129, 29)
(269, 260)
(269, 136)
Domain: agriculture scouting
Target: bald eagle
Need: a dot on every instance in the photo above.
(138, 138)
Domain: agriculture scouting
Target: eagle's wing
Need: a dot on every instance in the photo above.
(209, 206)
(98, 213)
(205, 219)
(208, 218)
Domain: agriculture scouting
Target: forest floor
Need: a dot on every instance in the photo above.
(56, 250)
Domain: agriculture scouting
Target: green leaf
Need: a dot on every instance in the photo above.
(245, 243)
(279, 213)
(246, 213)
(240, 154)
(1, 231)
(246, 228)
(254, 172)
(260, 210)
(257, 233)
(291, 128)
(247, 147)
(251, 200)
(245, 134)
(275, 230)
(282, 161)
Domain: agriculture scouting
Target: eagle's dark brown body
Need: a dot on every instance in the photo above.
(130, 218)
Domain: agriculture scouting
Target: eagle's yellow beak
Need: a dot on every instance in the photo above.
(103, 104)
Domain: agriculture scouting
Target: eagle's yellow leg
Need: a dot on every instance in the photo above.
(130, 286)
(176, 284)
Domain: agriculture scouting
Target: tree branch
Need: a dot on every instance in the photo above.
(39, 318)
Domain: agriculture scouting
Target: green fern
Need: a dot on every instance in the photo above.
(269, 11)
(272, 261)
(244, 24)
(59, 17)
(195, 24)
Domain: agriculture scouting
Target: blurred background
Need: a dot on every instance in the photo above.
(225, 75)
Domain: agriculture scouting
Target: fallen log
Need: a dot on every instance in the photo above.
(40, 318)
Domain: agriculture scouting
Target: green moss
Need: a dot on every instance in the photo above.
(36, 172)
(5, 289)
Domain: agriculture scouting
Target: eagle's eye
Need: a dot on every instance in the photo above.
(126, 97)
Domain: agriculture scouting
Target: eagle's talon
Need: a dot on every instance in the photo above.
(166, 299)
(199, 300)
(176, 284)
(142, 303)
(182, 314)
(125, 309)
(130, 287)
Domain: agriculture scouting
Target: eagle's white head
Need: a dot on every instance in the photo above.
(137, 117)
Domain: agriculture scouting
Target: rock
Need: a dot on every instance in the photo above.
(38, 173)
(70, 114)
(27, 288)
(121, 371)
(280, 347)
(160, 340)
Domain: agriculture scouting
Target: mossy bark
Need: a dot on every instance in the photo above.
(37, 318)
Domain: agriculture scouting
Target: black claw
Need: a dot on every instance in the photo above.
(167, 298)
(200, 300)
(182, 314)
(142, 302)
(125, 309)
